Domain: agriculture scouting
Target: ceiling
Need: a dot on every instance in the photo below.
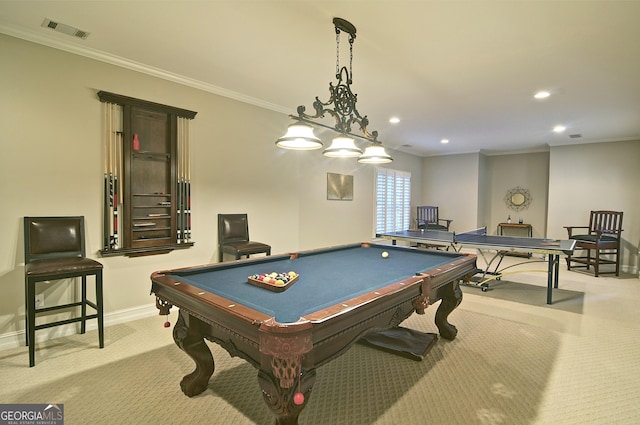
(465, 71)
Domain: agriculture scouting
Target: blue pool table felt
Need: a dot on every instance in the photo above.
(326, 278)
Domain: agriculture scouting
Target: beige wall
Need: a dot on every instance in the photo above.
(565, 185)
(484, 192)
(51, 164)
(529, 171)
(325, 223)
(451, 182)
(470, 188)
(599, 176)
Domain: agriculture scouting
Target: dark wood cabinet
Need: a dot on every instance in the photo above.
(147, 168)
(151, 165)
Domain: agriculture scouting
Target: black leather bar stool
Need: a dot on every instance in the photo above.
(54, 249)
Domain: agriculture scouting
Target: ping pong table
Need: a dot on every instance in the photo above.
(502, 245)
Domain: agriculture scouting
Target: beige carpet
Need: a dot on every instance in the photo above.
(512, 363)
(535, 295)
(487, 376)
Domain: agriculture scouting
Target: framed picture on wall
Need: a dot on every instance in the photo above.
(339, 187)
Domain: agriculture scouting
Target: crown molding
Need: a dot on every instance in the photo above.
(136, 66)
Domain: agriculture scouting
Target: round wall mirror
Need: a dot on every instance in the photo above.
(518, 198)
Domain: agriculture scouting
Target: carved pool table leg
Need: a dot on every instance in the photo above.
(451, 298)
(280, 400)
(188, 337)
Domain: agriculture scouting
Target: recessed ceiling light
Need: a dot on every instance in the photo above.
(542, 95)
(444, 141)
(394, 120)
(559, 128)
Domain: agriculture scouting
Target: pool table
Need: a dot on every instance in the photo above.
(342, 293)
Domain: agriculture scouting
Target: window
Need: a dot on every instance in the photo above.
(393, 200)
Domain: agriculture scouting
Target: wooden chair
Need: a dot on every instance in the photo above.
(427, 218)
(233, 237)
(54, 249)
(601, 241)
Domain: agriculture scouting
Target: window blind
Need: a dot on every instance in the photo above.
(393, 200)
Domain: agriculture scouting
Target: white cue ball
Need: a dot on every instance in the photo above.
(385, 254)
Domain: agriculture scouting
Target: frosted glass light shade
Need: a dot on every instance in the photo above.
(299, 137)
(375, 154)
(342, 147)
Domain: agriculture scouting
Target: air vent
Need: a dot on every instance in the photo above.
(575, 136)
(65, 29)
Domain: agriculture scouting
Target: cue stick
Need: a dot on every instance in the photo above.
(112, 194)
(184, 209)
(120, 157)
(119, 160)
(114, 238)
(109, 192)
(183, 185)
(187, 140)
(115, 214)
(179, 194)
(181, 182)
(105, 206)
(118, 170)
(110, 177)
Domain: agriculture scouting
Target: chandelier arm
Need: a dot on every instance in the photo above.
(362, 124)
(342, 126)
(369, 137)
(342, 107)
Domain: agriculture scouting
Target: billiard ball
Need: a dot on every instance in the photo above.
(385, 254)
(298, 398)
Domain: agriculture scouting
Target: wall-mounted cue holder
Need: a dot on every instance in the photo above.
(147, 177)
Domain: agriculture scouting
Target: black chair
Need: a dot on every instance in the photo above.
(601, 241)
(54, 249)
(428, 218)
(233, 237)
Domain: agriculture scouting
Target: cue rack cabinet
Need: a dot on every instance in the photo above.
(147, 177)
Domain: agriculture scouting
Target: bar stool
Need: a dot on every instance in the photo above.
(54, 249)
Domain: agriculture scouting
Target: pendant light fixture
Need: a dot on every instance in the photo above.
(299, 137)
(342, 147)
(342, 107)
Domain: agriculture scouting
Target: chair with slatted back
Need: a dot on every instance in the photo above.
(54, 249)
(233, 237)
(428, 218)
(601, 241)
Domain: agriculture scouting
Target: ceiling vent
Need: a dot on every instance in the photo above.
(575, 136)
(65, 29)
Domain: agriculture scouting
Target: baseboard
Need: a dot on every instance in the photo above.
(16, 339)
